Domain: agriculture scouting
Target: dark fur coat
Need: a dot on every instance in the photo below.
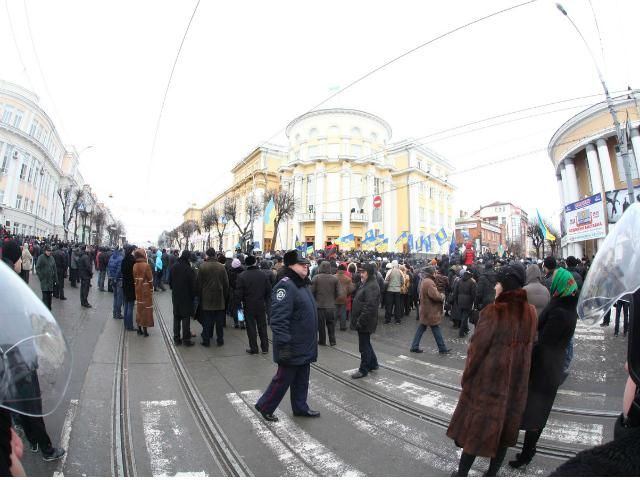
(495, 378)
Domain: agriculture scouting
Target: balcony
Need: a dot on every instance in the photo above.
(331, 217)
(359, 217)
(307, 217)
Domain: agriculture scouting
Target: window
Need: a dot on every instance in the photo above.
(377, 215)
(423, 215)
(34, 128)
(8, 114)
(31, 169)
(19, 202)
(314, 151)
(356, 150)
(17, 120)
(311, 192)
(23, 170)
(376, 186)
(355, 132)
(5, 157)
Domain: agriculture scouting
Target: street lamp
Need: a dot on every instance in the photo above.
(35, 218)
(621, 137)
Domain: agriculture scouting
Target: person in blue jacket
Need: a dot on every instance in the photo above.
(294, 323)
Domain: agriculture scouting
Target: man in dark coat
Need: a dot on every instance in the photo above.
(128, 286)
(48, 275)
(212, 287)
(464, 294)
(183, 285)
(165, 266)
(294, 325)
(326, 289)
(485, 291)
(60, 257)
(103, 261)
(253, 294)
(364, 319)
(85, 271)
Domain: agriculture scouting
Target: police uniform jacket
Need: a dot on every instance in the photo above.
(294, 320)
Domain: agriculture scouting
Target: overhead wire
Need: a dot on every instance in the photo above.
(15, 42)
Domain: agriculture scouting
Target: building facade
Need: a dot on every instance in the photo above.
(586, 157)
(486, 237)
(514, 219)
(337, 165)
(34, 165)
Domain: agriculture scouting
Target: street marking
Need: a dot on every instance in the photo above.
(314, 453)
(588, 337)
(294, 466)
(191, 474)
(155, 438)
(560, 431)
(65, 436)
(431, 365)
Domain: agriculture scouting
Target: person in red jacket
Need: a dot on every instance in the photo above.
(468, 253)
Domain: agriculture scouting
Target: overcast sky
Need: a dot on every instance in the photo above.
(248, 68)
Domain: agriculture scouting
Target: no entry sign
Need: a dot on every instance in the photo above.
(377, 201)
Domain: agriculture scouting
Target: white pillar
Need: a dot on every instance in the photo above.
(605, 165)
(565, 184)
(368, 195)
(635, 140)
(594, 169)
(346, 203)
(319, 208)
(414, 209)
(572, 180)
(258, 223)
(297, 195)
(388, 209)
(560, 189)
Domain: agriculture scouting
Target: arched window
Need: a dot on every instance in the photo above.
(355, 132)
(313, 133)
(374, 137)
(333, 131)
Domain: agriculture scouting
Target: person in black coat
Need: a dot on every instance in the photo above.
(364, 319)
(60, 257)
(253, 294)
(464, 295)
(128, 286)
(85, 271)
(556, 326)
(182, 282)
(485, 291)
(294, 325)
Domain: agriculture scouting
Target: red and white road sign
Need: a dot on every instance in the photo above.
(377, 201)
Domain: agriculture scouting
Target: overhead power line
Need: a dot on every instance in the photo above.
(15, 42)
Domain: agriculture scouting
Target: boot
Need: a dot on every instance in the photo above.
(528, 449)
(144, 329)
(496, 463)
(139, 330)
(466, 461)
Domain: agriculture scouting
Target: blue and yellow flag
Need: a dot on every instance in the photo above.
(383, 246)
(349, 241)
(298, 244)
(426, 241)
(309, 249)
(545, 231)
(441, 236)
(270, 212)
(369, 236)
(402, 239)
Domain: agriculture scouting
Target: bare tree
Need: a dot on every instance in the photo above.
(251, 210)
(186, 229)
(70, 198)
(220, 223)
(284, 205)
(534, 232)
(553, 244)
(99, 218)
(515, 248)
(208, 220)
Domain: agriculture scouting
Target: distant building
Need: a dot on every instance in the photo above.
(513, 218)
(485, 237)
(586, 157)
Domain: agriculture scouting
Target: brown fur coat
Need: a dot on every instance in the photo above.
(431, 301)
(143, 279)
(496, 376)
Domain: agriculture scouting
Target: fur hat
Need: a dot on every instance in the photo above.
(250, 260)
(294, 256)
(235, 263)
(11, 250)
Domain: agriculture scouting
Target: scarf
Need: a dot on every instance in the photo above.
(563, 285)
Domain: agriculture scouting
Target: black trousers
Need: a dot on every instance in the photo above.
(326, 322)
(35, 431)
(184, 324)
(73, 277)
(46, 299)
(256, 326)
(295, 377)
(393, 300)
(58, 290)
(211, 318)
(368, 359)
(84, 290)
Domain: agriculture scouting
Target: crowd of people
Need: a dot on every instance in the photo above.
(522, 313)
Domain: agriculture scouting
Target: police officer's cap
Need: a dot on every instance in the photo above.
(294, 256)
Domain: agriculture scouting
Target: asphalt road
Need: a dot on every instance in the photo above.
(390, 424)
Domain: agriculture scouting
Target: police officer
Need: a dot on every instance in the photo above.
(294, 323)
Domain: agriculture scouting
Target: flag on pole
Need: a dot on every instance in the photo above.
(309, 250)
(545, 231)
(441, 236)
(465, 235)
(401, 240)
(410, 242)
(270, 212)
(349, 241)
(453, 246)
(298, 244)
(426, 241)
(383, 246)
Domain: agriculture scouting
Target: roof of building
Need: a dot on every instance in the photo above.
(333, 111)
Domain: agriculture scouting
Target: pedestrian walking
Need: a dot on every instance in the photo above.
(494, 382)
(253, 295)
(27, 263)
(464, 294)
(233, 273)
(114, 267)
(143, 278)
(364, 319)
(537, 294)
(431, 311)
(294, 325)
(74, 277)
(326, 290)
(85, 272)
(212, 288)
(393, 282)
(35, 253)
(344, 302)
(48, 275)
(182, 281)
(102, 262)
(128, 286)
(556, 326)
(60, 257)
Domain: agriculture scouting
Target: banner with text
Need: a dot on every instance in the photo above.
(585, 219)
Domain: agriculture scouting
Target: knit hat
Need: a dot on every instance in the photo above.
(11, 250)
(512, 277)
(250, 260)
(235, 263)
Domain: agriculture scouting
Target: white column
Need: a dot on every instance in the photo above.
(572, 180)
(319, 208)
(346, 203)
(565, 184)
(368, 195)
(388, 209)
(297, 195)
(605, 165)
(258, 223)
(414, 208)
(560, 189)
(394, 216)
(594, 169)
(635, 140)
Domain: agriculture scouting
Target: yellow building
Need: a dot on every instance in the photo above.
(337, 162)
(585, 154)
